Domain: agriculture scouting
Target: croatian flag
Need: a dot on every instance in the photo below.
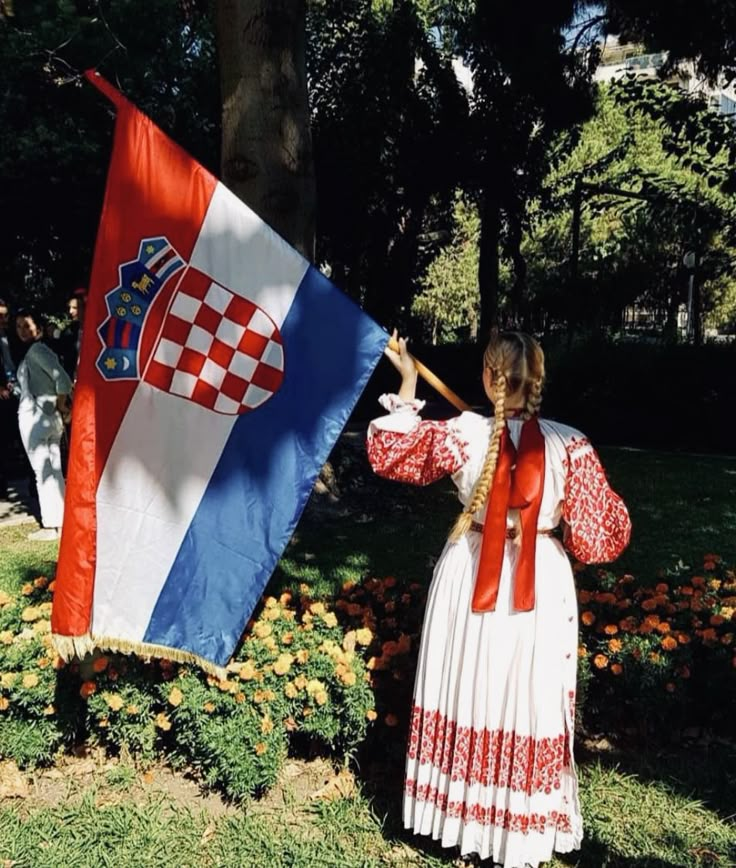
(218, 367)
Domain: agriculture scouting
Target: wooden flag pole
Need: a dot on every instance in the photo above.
(434, 381)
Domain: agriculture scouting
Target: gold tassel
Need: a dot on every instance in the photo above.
(79, 646)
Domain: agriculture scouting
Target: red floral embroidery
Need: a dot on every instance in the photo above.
(489, 757)
(598, 521)
(488, 816)
(428, 452)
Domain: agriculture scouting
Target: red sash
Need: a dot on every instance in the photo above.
(518, 484)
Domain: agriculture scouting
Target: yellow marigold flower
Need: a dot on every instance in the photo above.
(87, 689)
(175, 697)
(285, 598)
(270, 643)
(283, 664)
(655, 656)
(300, 682)
(304, 588)
(582, 651)
(114, 701)
(131, 709)
(30, 613)
(307, 618)
(266, 725)
(42, 626)
(239, 697)
(287, 638)
(330, 619)
(248, 671)
(262, 630)
(727, 639)
(5, 599)
(6, 637)
(320, 697)
(727, 612)
(4, 703)
(261, 748)
(30, 680)
(209, 707)
(363, 636)
(49, 710)
(270, 602)
(314, 685)
(391, 720)
(371, 714)
(317, 608)
(272, 614)
(348, 678)
(27, 589)
(162, 722)
(8, 679)
(587, 618)
(290, 690)
(715, 584)
(600, 661)
(100, 664)
(302, 655)
(263, 696)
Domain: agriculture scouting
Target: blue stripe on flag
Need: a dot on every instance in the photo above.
(266, 473)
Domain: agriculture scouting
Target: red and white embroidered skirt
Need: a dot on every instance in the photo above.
(489, 764)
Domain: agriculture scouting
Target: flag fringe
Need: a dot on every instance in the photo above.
(69, 647)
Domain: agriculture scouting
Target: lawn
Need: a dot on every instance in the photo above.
(643, 808)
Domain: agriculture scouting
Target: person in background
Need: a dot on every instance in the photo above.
(8, 399)
(71, 337)
(43, 407)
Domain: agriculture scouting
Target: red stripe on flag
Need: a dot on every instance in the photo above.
(125, 337)
(153, 188)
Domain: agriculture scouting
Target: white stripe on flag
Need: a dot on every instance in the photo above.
(238, 250)
(151, 487)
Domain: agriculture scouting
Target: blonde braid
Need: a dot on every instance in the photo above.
(534, 399)
(483, 484)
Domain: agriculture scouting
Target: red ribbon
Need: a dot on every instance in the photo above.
(518, 483)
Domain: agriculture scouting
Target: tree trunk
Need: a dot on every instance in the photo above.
(488, 282)
(266, 142)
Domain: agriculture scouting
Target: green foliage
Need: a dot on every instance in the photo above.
(449, 301)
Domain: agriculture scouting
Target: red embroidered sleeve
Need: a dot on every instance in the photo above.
(428, 452)
(598, 524)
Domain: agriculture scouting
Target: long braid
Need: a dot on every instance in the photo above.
(483, 484)
(534, 398)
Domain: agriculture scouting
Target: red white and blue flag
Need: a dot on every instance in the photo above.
(218, 367)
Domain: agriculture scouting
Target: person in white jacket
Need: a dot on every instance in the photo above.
(43, 407)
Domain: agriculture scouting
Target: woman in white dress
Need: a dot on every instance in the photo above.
(45, 388)
(489, 762)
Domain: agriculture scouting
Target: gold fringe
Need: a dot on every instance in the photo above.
(79, 646)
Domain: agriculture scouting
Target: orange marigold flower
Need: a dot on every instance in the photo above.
(669, 643)
(617, 668)
(655, 656)
(261, 748)
(628, 625)
(698, 581)
(587, 618)
(610, 629)
(662, 588)
(709, 635)
(709, 565)
(600, 661)
(727, 639)
(209, 707)
(686, 590)
(582, 651)
(391, 720)
(717, 620)
(27, 589)
(40, 583)
(649, 605)
(605, 597)
(100, 664)
(87, 689)
(684, 672)
(615, 645)
(669, 687)
(175, 696)
(584, 596)
(663, 627)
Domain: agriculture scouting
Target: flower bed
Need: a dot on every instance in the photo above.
(652, 660)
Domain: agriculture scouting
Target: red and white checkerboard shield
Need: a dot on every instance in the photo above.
(217, 349)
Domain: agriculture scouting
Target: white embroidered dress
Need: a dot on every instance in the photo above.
(489, 761)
